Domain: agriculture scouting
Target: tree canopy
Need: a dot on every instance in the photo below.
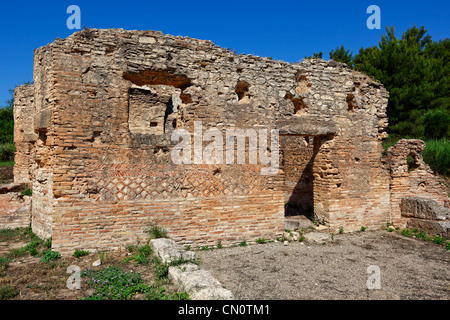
(416, 72)
(7, 122)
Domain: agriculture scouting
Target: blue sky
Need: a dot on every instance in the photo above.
(283, 30)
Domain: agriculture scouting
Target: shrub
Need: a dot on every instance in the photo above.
(261, 240)
(436, 124)
(27, 192)
(157, 232)
(80, 253)
(48, 243)
(243, 243)
(49, 255)
(406, 232)
(438, 240)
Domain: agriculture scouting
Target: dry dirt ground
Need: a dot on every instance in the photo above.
(36, 280)
(409, 269)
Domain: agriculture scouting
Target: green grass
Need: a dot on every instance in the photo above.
(142, 255)
(80, 253)
(437, 156)
(27, 192)
(422, 235)
(109, 283)
(32, 248)
(8, 292)
(7, 234)
(157, 232)
(113, 283)
(4, 262)
(6, 163)
(49, 255)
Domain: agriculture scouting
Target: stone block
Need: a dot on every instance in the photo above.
(198, 283)
(168, 251)
(316, 238)
(423, 208)
(432, 227)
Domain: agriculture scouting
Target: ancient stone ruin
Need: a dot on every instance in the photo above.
(94, 141)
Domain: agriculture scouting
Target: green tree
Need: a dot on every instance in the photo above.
(436, 124)
(7, 122)
(315, 56)
(415, 71)
(342, 55)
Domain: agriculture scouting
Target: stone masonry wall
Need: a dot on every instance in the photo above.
(24, 134)
(417, 179)
(107, 101)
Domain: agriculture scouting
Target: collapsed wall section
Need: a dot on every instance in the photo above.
(412, 177)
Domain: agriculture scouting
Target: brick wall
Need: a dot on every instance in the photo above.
(107, 101)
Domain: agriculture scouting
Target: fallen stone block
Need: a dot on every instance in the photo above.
(316, 238)
(291, 236)
(297, 222)
(432, 227)
(168, 251)
(212, 294)
(198, 283)
(422, 208)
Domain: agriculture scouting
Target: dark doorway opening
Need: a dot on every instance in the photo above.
(298, 154)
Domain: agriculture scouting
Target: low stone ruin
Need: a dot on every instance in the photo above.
(188, 276)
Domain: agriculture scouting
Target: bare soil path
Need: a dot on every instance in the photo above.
(409, 268)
